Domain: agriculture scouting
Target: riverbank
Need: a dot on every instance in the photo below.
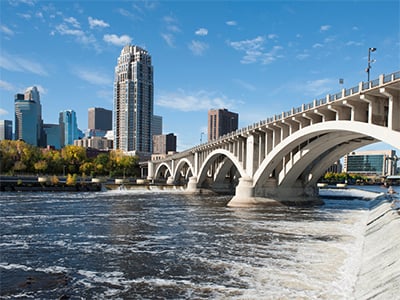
(379, 275)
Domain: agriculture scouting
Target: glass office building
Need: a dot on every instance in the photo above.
(69, 127)
(6, 130)
(28, 117)
(382, 163)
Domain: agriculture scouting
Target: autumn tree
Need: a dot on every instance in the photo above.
(74, 156)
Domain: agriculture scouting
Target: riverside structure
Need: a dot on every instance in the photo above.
(280, 159)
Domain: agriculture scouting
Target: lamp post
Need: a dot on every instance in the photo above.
(201, 137)
(369, 60)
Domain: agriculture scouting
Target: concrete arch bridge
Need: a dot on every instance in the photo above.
(280, 159)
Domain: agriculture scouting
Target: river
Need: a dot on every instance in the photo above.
(143, 244)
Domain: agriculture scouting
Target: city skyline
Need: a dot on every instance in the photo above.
(255, 58)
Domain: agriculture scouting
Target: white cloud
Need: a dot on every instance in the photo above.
(73, 22)
(317, 87)
(172, 28)
(3, 112)
(245, 85)
(317, 45)
(302, 56)
(198, 47)
(254, 51)
(231, 23)
(17, 2)
(63, 29)
(125, 13)
(248, 45)
(354, 43)
(24, 16)
(169, 39)
(20, 64)
(80, 35)
(325, 27)
(93, 77)
(201, 31)
(97, 23)
(117, 40)
(6, 85)
(194, 101)
(6, 30)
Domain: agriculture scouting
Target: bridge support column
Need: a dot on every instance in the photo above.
(192, 185)
(170, 180)
(244, 196)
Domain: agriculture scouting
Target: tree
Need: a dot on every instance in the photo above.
(87, 168)
(41, 166)
(122, 164)
(74, 156)
(102, 164)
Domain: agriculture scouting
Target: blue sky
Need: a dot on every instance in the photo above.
(256, 58)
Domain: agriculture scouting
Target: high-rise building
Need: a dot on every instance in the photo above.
(157, 125)
(133, 101)
(99, 118)
(69, 127)
(373, 162)
(220, 122)
(28, 117)
(5, 130)
(164, 143)
(53, 135)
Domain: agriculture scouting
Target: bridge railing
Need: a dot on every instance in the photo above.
(363, 86)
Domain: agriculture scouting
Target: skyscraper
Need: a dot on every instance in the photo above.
(220, 122)
(99, 118)
(53, 135)
(69, 127)
(28, 117)
(5, 130)
(157, 125)
(133, 101)
(164, 143)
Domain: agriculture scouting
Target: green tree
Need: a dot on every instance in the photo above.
(102, 164)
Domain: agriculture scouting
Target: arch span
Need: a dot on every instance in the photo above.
(230, 160)
(163, 167)
(180, 166)
(342, 131)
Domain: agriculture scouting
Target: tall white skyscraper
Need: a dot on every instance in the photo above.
(133, 101)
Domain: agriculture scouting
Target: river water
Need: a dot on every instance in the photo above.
(163, 245)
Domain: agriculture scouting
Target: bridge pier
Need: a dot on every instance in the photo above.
(247, 196)
(170, 180)
(192, 185)
(244, 196)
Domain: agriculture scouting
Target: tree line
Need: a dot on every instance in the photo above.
(18, 157)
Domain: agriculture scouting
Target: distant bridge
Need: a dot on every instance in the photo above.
(282, 158)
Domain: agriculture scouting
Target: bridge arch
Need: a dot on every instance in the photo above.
(184, 165)
(324, 142)
(226, 162)
(162, 171)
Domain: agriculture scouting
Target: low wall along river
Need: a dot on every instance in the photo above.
(379, 275)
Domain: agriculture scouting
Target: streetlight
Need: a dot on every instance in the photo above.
(369, 60)
(201, 137)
